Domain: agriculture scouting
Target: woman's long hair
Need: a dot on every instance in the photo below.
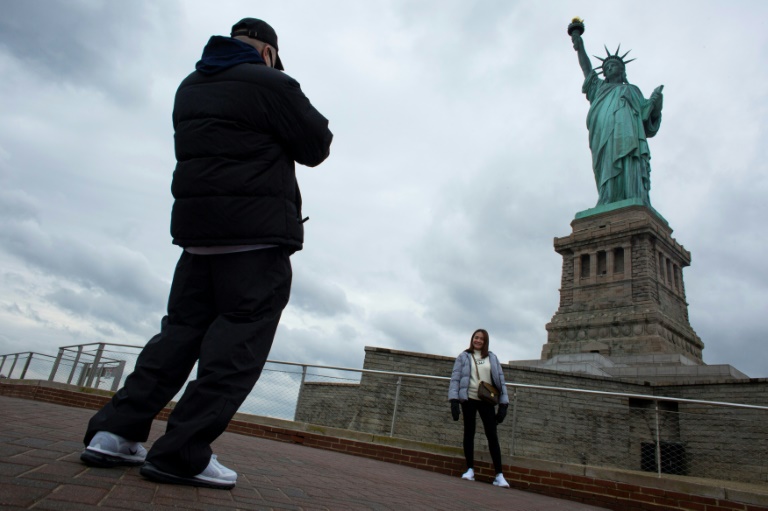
(484, 351)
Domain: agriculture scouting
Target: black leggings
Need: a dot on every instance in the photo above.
(488, 416)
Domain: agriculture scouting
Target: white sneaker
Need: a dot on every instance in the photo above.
(217, 473)
(469, 475)
(500, 481)
(109, 450)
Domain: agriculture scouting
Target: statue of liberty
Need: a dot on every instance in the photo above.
(620, 120)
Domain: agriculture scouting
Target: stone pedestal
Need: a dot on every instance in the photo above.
(622, 290)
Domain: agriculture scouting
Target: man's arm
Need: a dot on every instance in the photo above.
(578, 45)
(302, 129)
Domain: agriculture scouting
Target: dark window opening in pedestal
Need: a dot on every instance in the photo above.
(636, 402)
(669, 271)
(618, 260)
(676, 273)
(664, 406)
(602, 263)
(585, 269)
(673, 458)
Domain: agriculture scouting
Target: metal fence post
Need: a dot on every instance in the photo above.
(56, 363)
(3, 363)
(658, 441)
(514, 421)
(394, 410)
(13, 366)
(95, 365)
(301, 389)
(26, 366)
(117, 375)
(74, 364)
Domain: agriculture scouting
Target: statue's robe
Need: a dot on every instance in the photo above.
(619, 123)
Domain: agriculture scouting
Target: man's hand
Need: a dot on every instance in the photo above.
(455, 409)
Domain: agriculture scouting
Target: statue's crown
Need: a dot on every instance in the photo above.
(614, 57)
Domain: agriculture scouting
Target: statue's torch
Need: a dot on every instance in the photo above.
(576, 25)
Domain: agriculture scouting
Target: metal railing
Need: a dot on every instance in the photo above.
(660, 434)
(25, 365)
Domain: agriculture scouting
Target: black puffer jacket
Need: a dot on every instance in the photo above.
(240, 125)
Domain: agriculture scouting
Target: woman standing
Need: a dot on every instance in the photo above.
(474, 365)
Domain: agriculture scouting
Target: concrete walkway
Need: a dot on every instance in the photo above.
(40, 468)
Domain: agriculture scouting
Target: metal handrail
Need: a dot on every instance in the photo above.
(106, 344)
(27, 353)
(513, 385)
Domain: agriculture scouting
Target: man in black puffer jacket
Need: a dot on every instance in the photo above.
(240, 125)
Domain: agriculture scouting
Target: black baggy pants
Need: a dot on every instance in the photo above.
(223, 312)
(469, 409)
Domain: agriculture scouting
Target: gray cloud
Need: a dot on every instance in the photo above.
(112, 269)
(17, 205)
(99, 308)
(317, 295)
(339, 346)
(97, 283)
(87, 43)
(492, 275)
(406, 330)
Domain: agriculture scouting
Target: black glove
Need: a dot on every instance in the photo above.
(501, 413)
(455, 409)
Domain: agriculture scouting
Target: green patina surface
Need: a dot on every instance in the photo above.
(620, 122)
(604, 208)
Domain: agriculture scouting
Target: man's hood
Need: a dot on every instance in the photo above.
(224, 52)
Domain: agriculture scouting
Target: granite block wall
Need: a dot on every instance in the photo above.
(588, 429)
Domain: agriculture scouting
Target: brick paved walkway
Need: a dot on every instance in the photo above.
(40, 444)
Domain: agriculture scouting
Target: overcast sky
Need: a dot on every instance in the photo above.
(460, 152)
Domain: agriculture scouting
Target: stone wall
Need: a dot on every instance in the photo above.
(723, 439)
(644, 288)
(622, 291)
(567, 427)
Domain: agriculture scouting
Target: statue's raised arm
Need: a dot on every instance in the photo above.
(575, 29)
(578, 45)
(620, 120)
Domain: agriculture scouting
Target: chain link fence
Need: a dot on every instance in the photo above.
(667, 436)
(663, 435)
(26, 365)
(105, 366)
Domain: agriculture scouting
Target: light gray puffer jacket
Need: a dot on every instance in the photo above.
(461, 375)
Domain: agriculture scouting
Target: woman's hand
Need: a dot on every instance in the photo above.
(455, 409)
(501, 413)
